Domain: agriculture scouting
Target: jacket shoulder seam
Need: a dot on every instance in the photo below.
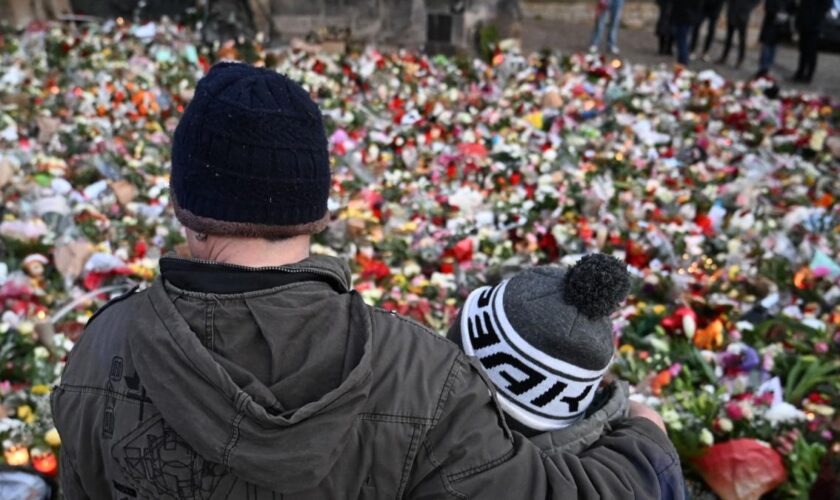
(116, 300)
(414, 325)
(446, 391)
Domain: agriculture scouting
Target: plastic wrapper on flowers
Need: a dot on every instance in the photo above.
(449, 173)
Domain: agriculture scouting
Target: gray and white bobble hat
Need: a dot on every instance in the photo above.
(545, 338)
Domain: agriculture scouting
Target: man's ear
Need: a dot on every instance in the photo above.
(197, 243)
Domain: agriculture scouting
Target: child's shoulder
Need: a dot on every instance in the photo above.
(610, 405)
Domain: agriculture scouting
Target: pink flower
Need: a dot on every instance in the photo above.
(821, 347)
(675, 369)
(734, 411)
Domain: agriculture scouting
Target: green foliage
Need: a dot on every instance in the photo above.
(803, 465)
(488, 40)
(807, 374)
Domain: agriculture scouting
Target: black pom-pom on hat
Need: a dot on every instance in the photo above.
(597, 285)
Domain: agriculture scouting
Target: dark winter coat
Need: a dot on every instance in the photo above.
(664, 24)
(713, 8)
(687, 12)
(297, 389)
(774, 25)
(738, 11)
(811, 14)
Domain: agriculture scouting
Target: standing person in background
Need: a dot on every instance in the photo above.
(686, 15)
(611, 9)
(665, 28)
(711, 16)
(737, 19)
(808, 20)
(776, 15)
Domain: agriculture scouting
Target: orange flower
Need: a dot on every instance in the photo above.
(661, 380)
(710, 337)
(800, 279)
(826, 201)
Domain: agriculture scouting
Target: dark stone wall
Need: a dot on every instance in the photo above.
(151, 9)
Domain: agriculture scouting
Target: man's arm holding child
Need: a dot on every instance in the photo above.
(469, 453)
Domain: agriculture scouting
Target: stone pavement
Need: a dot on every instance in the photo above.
(640, 46)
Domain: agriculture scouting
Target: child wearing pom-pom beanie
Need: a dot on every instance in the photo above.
(545, 340)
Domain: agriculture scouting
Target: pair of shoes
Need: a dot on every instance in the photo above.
(800, 78)
(593, 49)
(614, 50)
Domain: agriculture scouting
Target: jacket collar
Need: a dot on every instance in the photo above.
(205, 276)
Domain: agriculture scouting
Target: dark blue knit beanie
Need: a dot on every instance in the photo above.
(250, 157)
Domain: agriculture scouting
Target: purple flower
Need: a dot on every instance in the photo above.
(740, 358)
(749, 358)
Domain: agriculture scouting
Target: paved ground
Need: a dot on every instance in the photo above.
(640, 46)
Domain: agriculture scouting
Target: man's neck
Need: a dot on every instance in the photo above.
(254, 252)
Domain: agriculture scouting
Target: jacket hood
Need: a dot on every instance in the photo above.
(286, 450)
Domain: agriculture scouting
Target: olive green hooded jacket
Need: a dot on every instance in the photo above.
(302, 391)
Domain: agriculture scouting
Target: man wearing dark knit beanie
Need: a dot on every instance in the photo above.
(253, 370)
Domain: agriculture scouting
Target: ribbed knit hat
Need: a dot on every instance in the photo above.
(250, 157)
(545, 338)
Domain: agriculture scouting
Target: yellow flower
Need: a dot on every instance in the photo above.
(733, 272)
(626, 349)
(535, 119)
(659, 309)
(26, 414)
(52, 438)
(40, 389)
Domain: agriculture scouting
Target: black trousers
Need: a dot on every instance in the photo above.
(666, 45)
(711, 14)
(809, 46)
(731, 28)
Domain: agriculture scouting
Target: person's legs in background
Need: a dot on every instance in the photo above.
(730, 32)
(600, 21)
(800, 67)
(742, 43)
(695, 35)
(683, 32)
(808, 45)
(813, 47)
(766, 60)
(616, 8)
(714, 16)
(666, 45)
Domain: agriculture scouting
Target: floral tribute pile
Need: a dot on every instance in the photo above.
(722, 197)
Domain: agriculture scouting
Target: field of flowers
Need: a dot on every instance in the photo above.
(449, 172)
